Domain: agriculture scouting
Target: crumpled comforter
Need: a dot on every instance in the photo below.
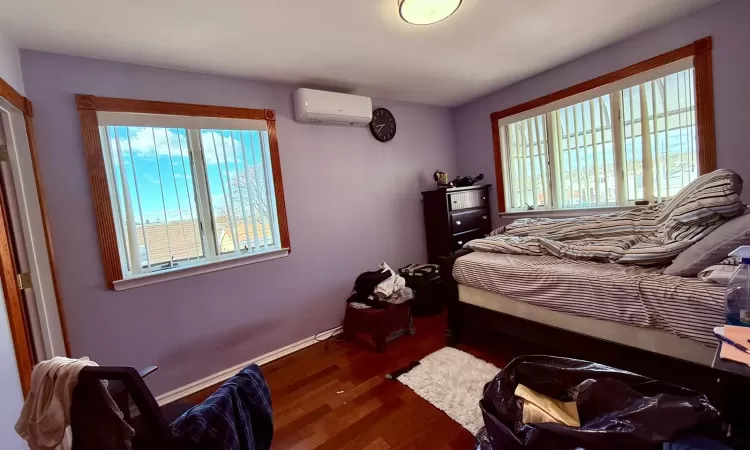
(649, 235)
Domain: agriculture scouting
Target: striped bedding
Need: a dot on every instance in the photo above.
(650, 235)
(632, 295)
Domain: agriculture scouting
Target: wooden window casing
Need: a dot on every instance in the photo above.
(700, 50)
(89, 105)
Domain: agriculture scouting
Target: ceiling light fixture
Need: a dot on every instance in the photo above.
(426, 12)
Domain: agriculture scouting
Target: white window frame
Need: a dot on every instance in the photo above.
(548, 112)
(212, 259)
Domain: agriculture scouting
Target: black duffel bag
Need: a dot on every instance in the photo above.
(617, 409)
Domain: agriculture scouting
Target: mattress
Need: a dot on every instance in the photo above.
(649, 339)
(630, 295)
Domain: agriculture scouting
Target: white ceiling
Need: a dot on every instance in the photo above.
(359, 46)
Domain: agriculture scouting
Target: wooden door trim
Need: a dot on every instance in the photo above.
(16, 310)
(29, 120)
(704, 105)
(20, 333)
(15, 98)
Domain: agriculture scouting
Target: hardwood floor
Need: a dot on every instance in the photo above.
(335, 395)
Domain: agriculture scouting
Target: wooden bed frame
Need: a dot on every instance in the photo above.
(469, 322)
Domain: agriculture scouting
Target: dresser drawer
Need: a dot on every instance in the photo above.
(470, 220)
(467, 200)
(462, 238)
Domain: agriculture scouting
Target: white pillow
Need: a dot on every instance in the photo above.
(720, 273)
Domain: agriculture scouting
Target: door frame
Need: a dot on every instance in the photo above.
(19, 130)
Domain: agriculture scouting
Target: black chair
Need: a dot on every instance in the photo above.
(112, 409)
(95, 423)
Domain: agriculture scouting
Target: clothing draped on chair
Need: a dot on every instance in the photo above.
(46, 411)
(237, 416)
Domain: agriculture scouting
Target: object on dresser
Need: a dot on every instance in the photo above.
(441, 178)
(467, 181)
(453, 217)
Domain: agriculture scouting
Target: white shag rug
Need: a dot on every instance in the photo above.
(453, 381)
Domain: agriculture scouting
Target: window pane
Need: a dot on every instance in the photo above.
(586, 174)
(528, 165)
(155, 208)
(240, 191)
(638, 143)
(670, 136)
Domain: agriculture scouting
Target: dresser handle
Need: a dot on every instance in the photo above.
(484, 198)
(460, 242)
(484, 217)
(458, 222)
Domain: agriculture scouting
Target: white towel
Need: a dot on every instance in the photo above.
(399, 297)
(720, 274)
(46, 411)
(390, 286)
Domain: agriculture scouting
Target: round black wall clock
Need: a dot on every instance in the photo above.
(383, 125)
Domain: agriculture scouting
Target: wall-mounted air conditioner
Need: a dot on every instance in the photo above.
(312, 106)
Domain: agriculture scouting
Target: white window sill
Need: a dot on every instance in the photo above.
(564, 213)
(183, 272)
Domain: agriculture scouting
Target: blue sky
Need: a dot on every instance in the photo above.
(162, 166)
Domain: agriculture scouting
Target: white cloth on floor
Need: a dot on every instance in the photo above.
(46, 411)
(392, 285)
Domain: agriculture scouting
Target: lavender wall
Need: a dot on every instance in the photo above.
(351, 201)
(726, 22)
(10, 63)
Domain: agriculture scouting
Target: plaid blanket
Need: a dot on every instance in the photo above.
(649, 235)
(237, 416)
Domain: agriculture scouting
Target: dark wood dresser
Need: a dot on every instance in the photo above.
(453, 217)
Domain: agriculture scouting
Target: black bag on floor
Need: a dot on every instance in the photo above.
(617, 409)
(429, 294)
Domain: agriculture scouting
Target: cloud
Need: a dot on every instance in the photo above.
(149, 177)
(148, 143)
(217, 145)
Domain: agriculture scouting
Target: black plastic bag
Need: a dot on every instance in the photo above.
(617, 409)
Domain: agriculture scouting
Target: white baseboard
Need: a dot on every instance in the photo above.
(220, 377)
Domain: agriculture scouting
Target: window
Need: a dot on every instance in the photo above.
(183, 191)
(609, 142)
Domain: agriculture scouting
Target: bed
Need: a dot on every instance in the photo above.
(628, 305)
(601, 275)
